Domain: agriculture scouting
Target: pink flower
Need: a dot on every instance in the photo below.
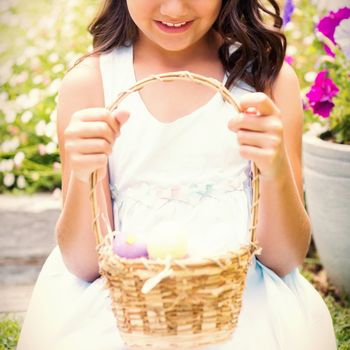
(321, 94)
(42, 149)
(56, 166)
(328, 24)
(289, 59)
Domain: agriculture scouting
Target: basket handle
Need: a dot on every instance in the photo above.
(168, 77)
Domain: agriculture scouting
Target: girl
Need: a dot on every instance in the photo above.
(172, 153)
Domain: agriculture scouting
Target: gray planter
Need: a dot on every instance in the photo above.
(327, 187)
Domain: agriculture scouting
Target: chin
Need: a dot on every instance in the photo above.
(174, 49)
(172, 46)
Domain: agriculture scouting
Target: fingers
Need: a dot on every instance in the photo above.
(260, 156)
(89, 138)
(120, 116)
(259, 113)
(258, 139)
(256, 123)
(84, 165)
(260, 102)
(96, 115)
(91, 146)
(91, 130)
(259, 131)
(96, 123)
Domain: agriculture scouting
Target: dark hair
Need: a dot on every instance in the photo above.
(260, 47)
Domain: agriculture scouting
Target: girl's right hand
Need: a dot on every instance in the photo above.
(89, 138)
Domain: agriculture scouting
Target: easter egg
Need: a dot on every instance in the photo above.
(167, 241)
(129, 246)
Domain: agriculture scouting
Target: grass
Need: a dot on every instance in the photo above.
(340, 311)
(9, 333)
(338, 303)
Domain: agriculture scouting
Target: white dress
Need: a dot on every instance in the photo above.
(186, 173)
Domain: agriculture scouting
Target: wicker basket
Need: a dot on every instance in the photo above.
(184, 303)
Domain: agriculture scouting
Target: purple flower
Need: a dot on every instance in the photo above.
(328, 24)
(321, 94)
(288, 12)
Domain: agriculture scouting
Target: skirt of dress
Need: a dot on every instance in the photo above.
(66, 313)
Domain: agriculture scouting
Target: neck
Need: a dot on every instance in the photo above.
(205, 49)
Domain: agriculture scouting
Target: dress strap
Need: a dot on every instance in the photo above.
(115, 72)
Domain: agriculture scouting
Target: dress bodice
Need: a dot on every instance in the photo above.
(187, 173)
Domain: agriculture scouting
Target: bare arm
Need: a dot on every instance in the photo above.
(86, 133)
(273, 140)
(284, 228)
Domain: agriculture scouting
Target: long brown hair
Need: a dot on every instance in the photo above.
(260, 47)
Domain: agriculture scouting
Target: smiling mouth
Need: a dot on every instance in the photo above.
(177, 25)
(171, 27)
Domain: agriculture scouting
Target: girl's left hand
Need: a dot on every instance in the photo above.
(260, 133)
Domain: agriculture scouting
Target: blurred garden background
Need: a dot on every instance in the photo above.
(41, 39)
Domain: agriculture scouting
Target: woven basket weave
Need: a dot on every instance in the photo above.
(181, 303)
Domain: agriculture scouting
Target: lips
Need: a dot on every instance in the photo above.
(172, 27)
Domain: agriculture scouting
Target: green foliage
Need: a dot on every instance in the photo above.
(9, 333)
(305, 50)
(310, 58)
(40, 41)
(339, 70)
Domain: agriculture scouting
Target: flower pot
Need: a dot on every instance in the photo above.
(327, 187)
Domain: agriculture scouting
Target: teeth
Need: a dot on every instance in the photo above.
(174, 24)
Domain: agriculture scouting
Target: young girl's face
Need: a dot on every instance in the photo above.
(174, 25)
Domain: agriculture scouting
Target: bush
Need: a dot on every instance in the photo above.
(40, 41)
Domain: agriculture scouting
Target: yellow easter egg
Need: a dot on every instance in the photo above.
(167, 242)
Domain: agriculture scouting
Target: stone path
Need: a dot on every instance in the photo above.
(27, 226)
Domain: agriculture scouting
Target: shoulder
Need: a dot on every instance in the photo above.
(287, 96)
(83, 81)
(286, 83)
(80, 88)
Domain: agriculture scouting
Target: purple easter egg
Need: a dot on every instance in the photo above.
(127, 246)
